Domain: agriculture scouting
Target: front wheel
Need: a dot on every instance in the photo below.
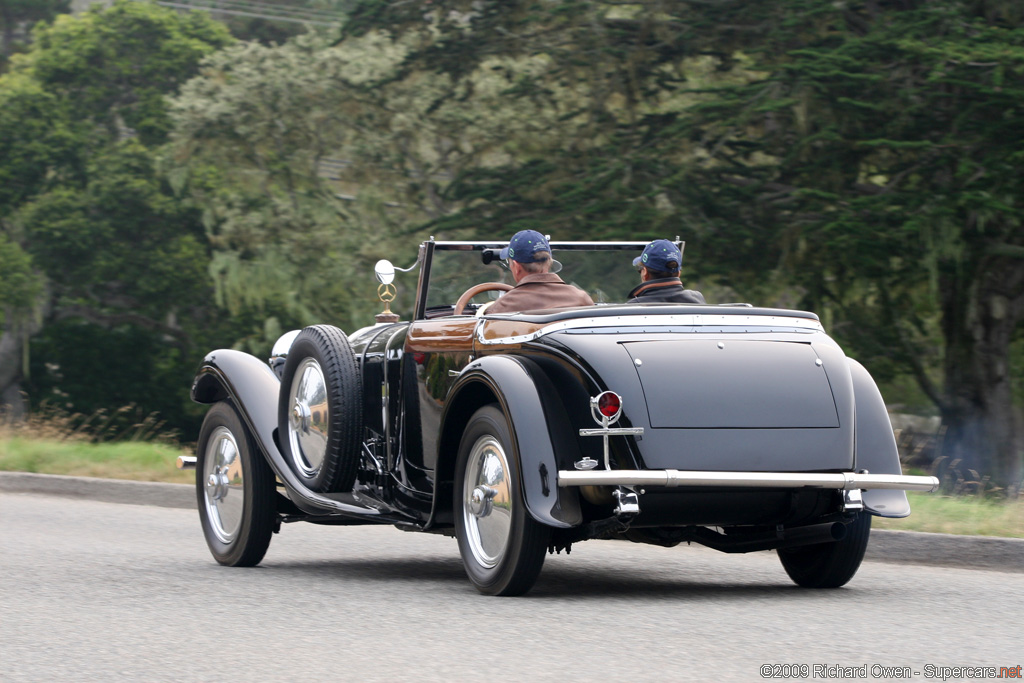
(235, 490)
(829, 565)
(502, 546)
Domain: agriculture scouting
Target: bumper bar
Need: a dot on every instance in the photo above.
(785, 480)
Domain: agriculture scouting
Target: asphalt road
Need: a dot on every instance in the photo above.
(94, 590)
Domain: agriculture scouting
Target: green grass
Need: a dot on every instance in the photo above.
(137, 460)
(936, 513)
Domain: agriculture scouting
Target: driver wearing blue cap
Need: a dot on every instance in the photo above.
(660, 266)
(529, 258)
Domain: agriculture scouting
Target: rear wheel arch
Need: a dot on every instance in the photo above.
(459, 410)
(510, 383)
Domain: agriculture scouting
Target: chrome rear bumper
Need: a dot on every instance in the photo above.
(786, 480)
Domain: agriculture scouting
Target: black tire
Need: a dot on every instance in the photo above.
(320, 410)
(829, 565)
(235, 490)
(502, 546)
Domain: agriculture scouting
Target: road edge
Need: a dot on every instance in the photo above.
(886, 545)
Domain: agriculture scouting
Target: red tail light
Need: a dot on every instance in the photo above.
(610, 404)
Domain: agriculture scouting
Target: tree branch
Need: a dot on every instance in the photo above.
(108, 320)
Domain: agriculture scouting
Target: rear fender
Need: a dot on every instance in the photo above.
(876, 449)
(253, 388)
(518, 386)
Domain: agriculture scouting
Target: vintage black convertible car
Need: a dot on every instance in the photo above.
(736, 427)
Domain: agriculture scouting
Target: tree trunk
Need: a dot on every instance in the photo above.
(12, 403)
(8, 31)
(980, 312)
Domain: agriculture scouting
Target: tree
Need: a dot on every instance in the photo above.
(312, 161)
(82, 198)
(18, 15)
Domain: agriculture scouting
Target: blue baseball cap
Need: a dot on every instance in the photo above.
(523, 245)
(658, 254)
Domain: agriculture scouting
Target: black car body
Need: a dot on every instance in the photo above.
(737, 427)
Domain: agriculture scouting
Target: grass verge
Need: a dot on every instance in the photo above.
(936, 513)
(136, 460)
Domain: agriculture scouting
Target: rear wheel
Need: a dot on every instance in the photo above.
(320, 411)
(829, 565)
(502, 547)
(234, 490)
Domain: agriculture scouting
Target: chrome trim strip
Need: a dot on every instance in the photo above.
(646, 321)
(670, 478)
(612, 431)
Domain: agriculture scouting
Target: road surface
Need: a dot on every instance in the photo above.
(108, 592)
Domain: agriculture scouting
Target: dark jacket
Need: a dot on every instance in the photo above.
(538, 291)
(664, 290)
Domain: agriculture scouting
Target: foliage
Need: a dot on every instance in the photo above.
(19, 286)
(310, 162)
(16, 15)
(112, 245)
(251, 136)
(114, 66)
(274, 23)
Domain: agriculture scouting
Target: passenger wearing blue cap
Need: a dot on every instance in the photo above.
(529, 258)
(660, 266)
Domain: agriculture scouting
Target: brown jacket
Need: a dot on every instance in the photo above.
(538, 291)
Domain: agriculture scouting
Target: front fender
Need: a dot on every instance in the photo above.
(876, 449)
(537, 422)
(254, 389)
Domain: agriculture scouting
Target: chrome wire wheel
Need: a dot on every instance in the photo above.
(224, 485)
(308, 418)
(487, 501)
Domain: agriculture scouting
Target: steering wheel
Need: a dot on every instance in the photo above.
(476, 289)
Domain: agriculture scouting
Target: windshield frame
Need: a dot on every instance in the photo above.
(428, 248)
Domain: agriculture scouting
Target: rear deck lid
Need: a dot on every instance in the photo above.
(733, 384)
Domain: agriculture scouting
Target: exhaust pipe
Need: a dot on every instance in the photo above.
(186, 462)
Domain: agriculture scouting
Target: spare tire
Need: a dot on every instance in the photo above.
(320, 410)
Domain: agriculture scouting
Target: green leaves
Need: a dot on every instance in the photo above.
(114, 65)
(88, 230)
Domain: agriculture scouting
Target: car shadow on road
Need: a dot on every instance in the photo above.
(555, 581)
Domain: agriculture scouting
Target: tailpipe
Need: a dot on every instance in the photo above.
(186, 462)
